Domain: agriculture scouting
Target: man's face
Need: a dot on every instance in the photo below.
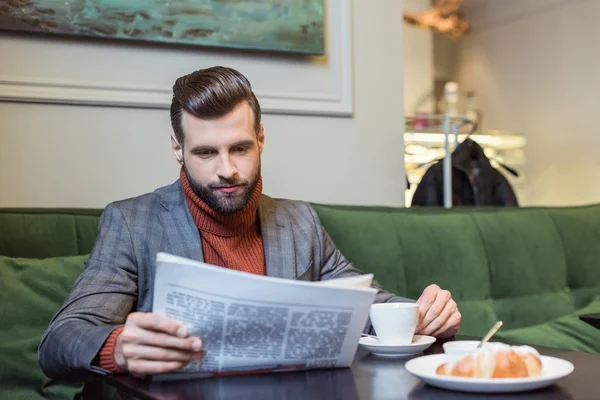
(221, 158)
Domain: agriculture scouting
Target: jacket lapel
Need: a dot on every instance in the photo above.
(179, 227)
(278, 240)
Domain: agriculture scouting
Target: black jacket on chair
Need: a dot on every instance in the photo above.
(475, 182)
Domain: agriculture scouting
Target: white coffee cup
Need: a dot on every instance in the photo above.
(394, 323)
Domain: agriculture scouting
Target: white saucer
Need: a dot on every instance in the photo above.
(419, 344)
(424, 368)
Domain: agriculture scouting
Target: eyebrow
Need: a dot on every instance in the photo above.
(243, 143)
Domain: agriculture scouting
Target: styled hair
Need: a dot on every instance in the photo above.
(211, 93)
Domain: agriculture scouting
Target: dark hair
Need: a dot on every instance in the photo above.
(211, 93)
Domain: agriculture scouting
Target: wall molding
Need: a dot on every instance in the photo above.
(339, 102)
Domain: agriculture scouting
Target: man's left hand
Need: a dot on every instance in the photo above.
(438, 313)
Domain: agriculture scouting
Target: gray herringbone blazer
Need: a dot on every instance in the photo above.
(119, 275)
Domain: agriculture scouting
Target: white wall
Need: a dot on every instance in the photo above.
(534, 65)
(57, 155)
(418, 63)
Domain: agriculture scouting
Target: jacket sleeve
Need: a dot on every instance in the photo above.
(99, 302)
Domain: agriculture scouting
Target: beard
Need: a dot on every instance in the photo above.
(225, 203)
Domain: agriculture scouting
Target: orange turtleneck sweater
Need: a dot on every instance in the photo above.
(228, 240)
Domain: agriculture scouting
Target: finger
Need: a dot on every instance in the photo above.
(450, 327)
(440, 319)
(442, 298)
(150, 353)
(158, 323)
(146, 367)
(425, 301)
(157, 339)
(429, 294)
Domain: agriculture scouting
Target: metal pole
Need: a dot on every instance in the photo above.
(447, 166)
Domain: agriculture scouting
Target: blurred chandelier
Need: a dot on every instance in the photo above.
(444, 17)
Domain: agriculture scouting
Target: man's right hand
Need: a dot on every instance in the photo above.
(152, 344)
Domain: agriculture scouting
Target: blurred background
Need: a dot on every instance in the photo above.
(354, 96)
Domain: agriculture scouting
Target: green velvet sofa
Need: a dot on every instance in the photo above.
(536, 269)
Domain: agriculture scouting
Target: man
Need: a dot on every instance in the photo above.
(215, 213)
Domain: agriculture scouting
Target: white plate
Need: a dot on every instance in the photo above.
(419, 344)
(424, 368)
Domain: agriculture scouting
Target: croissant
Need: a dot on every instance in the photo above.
(496, 360)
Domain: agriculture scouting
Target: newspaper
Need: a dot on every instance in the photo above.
(250, 323)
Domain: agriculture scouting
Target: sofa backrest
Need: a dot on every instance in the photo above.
(42, 233)
(524, 266)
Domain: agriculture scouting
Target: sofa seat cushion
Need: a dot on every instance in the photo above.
(565, 332)
(31, 292)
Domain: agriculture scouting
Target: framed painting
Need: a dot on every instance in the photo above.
(294, 26)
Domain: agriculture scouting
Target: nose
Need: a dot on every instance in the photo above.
(227, 169)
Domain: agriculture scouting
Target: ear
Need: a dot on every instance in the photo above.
(261, 138)
(177, 150)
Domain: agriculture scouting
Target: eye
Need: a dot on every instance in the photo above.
(240, 149)
(205, 153)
